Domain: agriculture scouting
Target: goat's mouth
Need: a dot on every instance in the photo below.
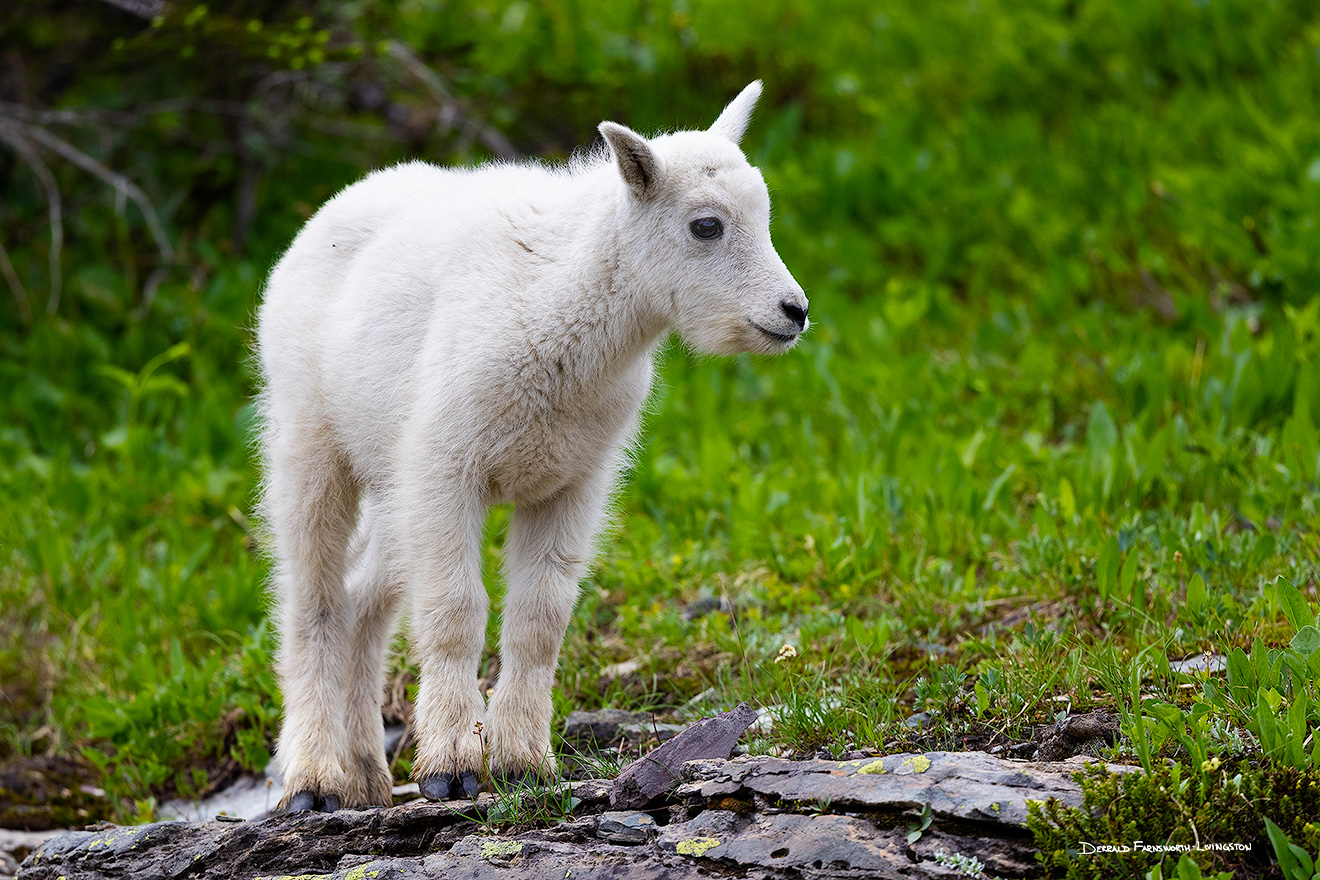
(782, 338)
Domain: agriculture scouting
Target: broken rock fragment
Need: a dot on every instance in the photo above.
(660, 771)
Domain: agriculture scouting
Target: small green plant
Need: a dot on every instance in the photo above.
(943, 694)
(589, 763)
(820, 807)
(518, 806)
(919, 825)
(1295, 862)
(1115, 583)
(1186, 869)
(538, 806)
(965, 866)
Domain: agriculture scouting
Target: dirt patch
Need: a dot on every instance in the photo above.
(1075, 735)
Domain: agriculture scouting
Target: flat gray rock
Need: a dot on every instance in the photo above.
(958, 785)
(830, 846)
(756, 817)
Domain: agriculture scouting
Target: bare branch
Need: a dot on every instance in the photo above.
(111, 178)
(12, 134)
(15, 285)
(452, 107)
(140, 8)
(149, 289)
(24, 113)
(123, 118)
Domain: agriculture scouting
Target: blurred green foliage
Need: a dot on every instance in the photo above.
(1054, 425)
(1167, 807)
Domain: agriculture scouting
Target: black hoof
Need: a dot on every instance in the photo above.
(310, 800)
(443, 788)
(303, 800)
(435, 788)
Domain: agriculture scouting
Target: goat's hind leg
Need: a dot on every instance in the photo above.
(310, 506)
(375, 593)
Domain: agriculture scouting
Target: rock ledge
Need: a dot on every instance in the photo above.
(753, 817)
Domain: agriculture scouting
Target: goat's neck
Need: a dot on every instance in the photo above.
(612, 316)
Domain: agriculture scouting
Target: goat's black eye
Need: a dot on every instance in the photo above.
(707, 228)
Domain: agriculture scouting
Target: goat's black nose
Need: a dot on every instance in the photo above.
(795, 314)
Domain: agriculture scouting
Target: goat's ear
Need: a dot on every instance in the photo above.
(638, 164)
(733, 121)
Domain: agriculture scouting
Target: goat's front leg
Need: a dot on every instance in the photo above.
(546, 555)
(441, 551)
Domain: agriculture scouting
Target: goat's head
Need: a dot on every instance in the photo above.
(699, 235)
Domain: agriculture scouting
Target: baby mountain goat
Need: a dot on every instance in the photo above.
(439, 340)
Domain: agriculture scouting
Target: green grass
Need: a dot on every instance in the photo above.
(1054, 425)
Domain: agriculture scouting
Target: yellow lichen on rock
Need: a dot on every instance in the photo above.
(877, 766)
(697, 846)
(500, 849)
(920, 764)
(115, 835)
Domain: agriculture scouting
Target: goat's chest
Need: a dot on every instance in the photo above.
(546, 432)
